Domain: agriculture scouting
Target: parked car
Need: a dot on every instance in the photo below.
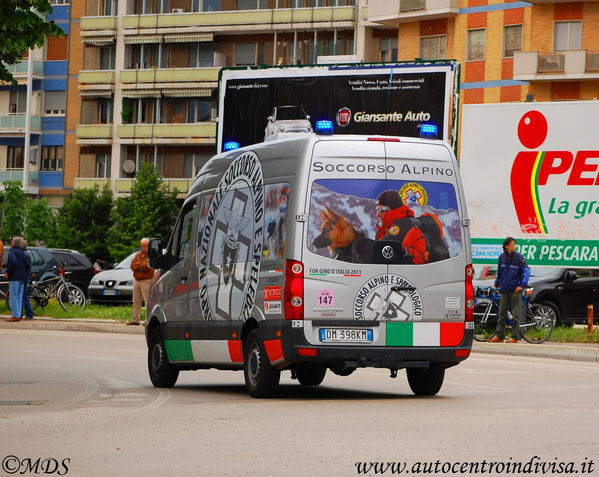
(42, 263)
(113, 286)
(287, 119)
(568, 291)
(78, 266)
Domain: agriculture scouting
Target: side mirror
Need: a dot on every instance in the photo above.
(157, 259)
(270, 119)
(570, 276)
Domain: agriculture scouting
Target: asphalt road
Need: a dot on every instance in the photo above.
(92, 403)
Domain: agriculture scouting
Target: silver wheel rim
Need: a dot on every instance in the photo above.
(254, 363)
(157, 357)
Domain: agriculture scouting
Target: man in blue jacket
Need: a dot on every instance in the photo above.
(16, 269)
(512, 278)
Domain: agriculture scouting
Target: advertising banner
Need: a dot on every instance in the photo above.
(378, 99)
(531, 171)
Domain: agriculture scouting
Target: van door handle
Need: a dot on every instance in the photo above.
(183, 279)
(398, 289)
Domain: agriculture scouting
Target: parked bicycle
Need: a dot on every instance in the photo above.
(70, 297)
(539, 320)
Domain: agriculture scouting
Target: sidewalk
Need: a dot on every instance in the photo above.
(573, 352)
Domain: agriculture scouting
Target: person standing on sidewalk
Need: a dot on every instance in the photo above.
(26, 302)
(143, 275)
(512, 278)
(16, 269)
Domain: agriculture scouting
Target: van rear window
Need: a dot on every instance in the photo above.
(349, 216)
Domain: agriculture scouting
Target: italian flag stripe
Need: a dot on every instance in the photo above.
(409, 333)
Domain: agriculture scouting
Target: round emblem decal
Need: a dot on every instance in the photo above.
(387, 252)
(413, 193)
(343, 117)
(388, 297)
(393, 230)
(230, 251)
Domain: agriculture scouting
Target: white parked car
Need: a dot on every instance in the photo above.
(113, 286)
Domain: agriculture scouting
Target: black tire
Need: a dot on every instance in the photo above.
(71, 298)
(485, 320)
(261, 379)
(311, 376)
(552, 305)
(162, 373)
(426, 382)
(539, 323)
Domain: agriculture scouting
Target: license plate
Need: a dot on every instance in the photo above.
(339, 335)
(109, 292)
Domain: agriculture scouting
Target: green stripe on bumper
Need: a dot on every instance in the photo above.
(178, 350)
(400, 334)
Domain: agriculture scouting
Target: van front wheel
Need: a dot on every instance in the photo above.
(261, 379)
(162, 373)
(426, 382)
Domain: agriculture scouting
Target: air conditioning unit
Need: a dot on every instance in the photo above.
(178, 10)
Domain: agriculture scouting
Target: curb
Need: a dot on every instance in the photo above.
(544, 350)
(73, 325)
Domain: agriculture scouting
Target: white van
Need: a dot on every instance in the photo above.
(315, 252)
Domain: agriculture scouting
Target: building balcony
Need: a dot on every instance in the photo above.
(183, 133)
(558, 66)
(393, 12)
(204, 77)
(98, 23)
(14, 124)
(123, 186)
(17, 175)
(243, 20)
(19, 70)
(94, 134)
(96, 77)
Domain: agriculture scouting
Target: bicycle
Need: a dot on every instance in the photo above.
(70, 297)
(539, 320)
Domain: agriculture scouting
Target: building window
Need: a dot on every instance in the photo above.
(55, 103)
(247, 54)
(107, 58)
(388, 49)
(567, 36)
(201, 56)
(52, 158)
(59, 2)
(14, 159)
(475, 47)
(200, 111)
(512, 40)
(18, 101)
(432, 47)
(103, 166)
(251, 4)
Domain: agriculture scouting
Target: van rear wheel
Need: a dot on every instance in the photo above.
(261, 379)
(311, 376)
(426, 382)
(162, 373)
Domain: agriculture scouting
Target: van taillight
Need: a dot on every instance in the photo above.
(469, 293)
(294, 290)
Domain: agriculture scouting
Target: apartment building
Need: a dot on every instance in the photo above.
(32, 116)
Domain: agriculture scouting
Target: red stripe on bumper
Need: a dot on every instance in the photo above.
(451, 334)
(235, 351)
(274, 350)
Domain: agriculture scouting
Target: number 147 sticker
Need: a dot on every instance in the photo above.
(325, 298)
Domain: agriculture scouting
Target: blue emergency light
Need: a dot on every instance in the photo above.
(428, 131)
(230, 146)
(324, 126)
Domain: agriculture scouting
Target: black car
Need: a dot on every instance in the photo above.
(567, 290)
(78, 265)
(42, 263)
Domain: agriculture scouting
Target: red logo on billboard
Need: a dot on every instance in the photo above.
(532, 169)
(343, 117)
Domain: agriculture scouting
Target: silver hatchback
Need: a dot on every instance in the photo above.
(113, 286)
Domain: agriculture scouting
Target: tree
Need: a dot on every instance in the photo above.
(83, 222)
(38, 222)
(23, 26)
(14, 209)
(150, 211)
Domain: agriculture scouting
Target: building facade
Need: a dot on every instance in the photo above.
(135, 81)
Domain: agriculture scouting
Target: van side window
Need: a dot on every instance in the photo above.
(186, 226)
(275, 221)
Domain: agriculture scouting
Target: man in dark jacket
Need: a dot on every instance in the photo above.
(512, 277)
(16, 269)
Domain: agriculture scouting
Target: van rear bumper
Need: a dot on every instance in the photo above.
(294, 347)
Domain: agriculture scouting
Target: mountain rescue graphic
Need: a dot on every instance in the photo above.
(236, 223)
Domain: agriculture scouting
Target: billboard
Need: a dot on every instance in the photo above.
(383, 99)
(531, 171)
